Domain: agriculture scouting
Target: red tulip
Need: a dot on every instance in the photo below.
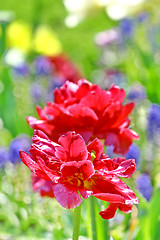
(74, 171)
(90, 111)
(45, 188)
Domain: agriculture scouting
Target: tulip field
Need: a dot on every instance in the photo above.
(79, 120)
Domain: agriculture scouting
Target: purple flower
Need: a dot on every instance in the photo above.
(143, 16)
(22, 70)
(126, 26)
(4, 156)
(137, 93)
(153, 121)
(115, 77)
(144, 185)
(133, 153)
(21, 142)
(42, 66)
(153, 36)
(37, 92)
(110, 152)
(55, 82)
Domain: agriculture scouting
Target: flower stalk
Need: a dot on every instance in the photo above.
(76, 222)
(106, 229)
(93, 218)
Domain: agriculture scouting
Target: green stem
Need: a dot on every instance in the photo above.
(76, 223)
(3, 39)
(106, 229)
(105, 223)
(93, 218)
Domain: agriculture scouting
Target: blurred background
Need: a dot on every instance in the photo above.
(43, 43)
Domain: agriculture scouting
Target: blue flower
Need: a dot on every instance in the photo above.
(110, 152)
(22, 70)
(54, 82)
(4, 156)
(37, 92)
(42, 66)
(21, 142)
(143, 183)
(137, 93)
(153, 121)
(115, 77)
(143, 16)
(127, 25)
(133, 153)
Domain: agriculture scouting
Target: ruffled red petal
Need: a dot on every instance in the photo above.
(74, 147)
(109, 212)
(67, 197)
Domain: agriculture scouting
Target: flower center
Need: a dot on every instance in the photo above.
(77, 180)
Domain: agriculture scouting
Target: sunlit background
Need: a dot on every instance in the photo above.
(43, 43)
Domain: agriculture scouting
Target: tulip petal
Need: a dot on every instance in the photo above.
(117, 93)
(126, 167)
(97, 147)
(67, 197)
(109, 197)
(125, 208)
(29, 162)
(85, 168)
(109, 212)
(74, 146)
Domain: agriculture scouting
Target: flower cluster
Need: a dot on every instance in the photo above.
(144, 185)
(67, 169)
(21, 142)
(4, 156)
(11, 153)
(90, 111)
(153, 121)
(134, 152)
(71, 171)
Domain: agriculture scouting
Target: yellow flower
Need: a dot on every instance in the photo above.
(19, 35)
(46, 42)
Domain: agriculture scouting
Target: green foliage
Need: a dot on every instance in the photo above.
(142, 61)
(23, 214)
(149, 219)
(77, 42)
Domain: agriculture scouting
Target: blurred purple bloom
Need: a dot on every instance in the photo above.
(22, 70)
(115, 77)
(153, 121)
(153, 36)
(4, 156)
(37, 92)
(110, 152)
(42, 66)
(133, 153)
(136, 93)
(126, 26)
(143, 16)
(21, 142)
(54, 82)
(105, 38)
(144, 185)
